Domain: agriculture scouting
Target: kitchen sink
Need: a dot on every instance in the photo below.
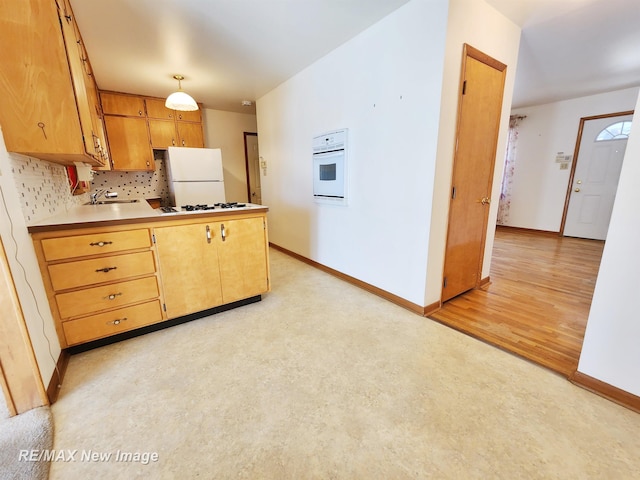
(109, 202)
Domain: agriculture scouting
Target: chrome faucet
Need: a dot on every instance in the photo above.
(107, 194)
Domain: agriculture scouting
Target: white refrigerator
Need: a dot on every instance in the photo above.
(195, 176)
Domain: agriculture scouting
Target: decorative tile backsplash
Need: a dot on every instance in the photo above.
(44, 186)
(135, 184)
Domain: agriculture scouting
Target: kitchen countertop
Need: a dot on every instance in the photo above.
(84, 216)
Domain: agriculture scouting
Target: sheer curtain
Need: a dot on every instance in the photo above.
(509, 168)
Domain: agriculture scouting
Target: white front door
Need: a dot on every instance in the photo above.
(595, 181)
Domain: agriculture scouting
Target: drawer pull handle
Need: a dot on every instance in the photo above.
(112, 296)
(117, 321)
(105, 269)
(100, 244)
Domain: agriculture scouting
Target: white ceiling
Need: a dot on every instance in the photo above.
(234, 50)
(573, 48)
(227, 50)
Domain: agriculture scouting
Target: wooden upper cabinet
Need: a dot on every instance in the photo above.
(122, 104)
(190, 135)
(156, 109)
(44, 108)
(129, 143)
(193, 116)
(164, 128)
(163, 133)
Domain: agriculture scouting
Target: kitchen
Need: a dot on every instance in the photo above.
(39, 200)
(290, 214)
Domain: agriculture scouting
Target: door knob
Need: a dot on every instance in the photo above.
(485, 201)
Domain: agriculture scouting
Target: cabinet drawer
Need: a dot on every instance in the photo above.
(116, 321)
(94, 244)
(89, 300)
(98, 270)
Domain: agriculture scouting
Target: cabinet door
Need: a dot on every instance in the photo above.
(242, 252)
(156, 109)
(190, 135)
(129, 143)
(163, 133)
(76, 65)
(193, 116)
(188, 261)
(121, 104)
(39, 115)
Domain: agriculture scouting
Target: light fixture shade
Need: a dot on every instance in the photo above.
(181, 101)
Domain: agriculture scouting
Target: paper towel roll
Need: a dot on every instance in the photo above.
(85, 173)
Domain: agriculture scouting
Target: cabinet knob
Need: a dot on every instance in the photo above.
(140, 112)
(117, 321)
(112, 296)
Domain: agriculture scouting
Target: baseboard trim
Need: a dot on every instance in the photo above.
(358, 283)
(615, 394)
(53, 389)
(431, 308)
(528, 230)
(484, 282)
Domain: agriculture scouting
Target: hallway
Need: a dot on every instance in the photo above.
(538, 301)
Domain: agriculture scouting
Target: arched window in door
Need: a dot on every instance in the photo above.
(615, 131)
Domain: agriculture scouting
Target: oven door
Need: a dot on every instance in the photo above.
(329, 174)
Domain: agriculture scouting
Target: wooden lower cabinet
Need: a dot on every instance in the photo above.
(102, 325)
(212, 263)
(189, 267)
(105, 281)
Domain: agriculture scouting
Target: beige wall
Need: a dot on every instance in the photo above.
(225, 130)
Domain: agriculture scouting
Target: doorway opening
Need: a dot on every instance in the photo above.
(252, 166)
(593, 182)
(542, 283)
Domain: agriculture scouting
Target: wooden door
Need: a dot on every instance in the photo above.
(252, 164)
(189, 267)
(129, 143)
(601, 144)
(243, 258)
(479, 111)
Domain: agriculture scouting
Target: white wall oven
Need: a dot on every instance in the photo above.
(330, 167)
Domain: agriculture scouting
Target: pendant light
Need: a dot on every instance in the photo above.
(180, 100)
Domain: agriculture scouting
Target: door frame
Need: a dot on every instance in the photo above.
(246, 162)
(576, 158)
(20, 378)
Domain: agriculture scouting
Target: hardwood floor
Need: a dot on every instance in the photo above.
(538, 301)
